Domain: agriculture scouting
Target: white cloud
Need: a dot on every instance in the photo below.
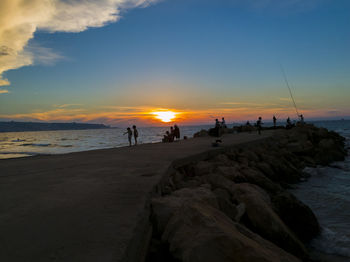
(19, 20)
(4, 91)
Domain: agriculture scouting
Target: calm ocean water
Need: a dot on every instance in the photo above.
(326, 192)
(21, 144)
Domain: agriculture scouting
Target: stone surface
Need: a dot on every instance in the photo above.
(200, 233)
(264, 221)
(296, 215)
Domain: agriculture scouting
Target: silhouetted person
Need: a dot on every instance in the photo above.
(129, 132)
(274, 121)
(301, 119)
(136, 134)
(177, 132)
(167, 137)
(217, 128)
(258, 125)
(223, 123)
(289, 123)
(172, 134)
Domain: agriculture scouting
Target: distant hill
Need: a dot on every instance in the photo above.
(35, 126)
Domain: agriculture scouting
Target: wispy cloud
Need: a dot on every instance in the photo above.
(4, 91)
(19, 20)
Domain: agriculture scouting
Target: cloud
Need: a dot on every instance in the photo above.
(19, 20)
(4, 91)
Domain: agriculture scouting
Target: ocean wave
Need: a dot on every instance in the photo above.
(18, 140)
(332, 243)
(33, 144)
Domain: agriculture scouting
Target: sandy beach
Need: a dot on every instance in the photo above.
(87, 206)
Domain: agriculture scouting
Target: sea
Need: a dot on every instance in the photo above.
(24, 144)
(326, 192)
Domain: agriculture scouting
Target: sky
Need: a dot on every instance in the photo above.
(119, 62)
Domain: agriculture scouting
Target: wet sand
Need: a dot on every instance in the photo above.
(87, 206)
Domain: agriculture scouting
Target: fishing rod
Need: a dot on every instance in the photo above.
(290, 91)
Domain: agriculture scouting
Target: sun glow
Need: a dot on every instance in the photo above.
(165, 116)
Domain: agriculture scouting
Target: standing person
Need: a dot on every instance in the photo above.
(258, 125)
(172, 134)
(129, 132)
(223, 123)
(177, 132)
(217, 128)
(301, 119)
(136, 134)
(274, 121)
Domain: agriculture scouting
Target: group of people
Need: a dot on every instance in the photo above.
(216, 131)
(289, 123)
(173, 135)
(131, 133)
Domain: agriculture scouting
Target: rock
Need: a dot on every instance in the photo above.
(295, 147)
(296, 215)
(201, 133)
(266, 169)
(262, 219)
(190, 183)
(257, 178)
(164, 207)
(219, 181)
(250, 155)
(240, 211)
(327, 144)
(203, 168)
(177, 177)
(230, 172)
(222, 160)
(225, 204)
(200, 233)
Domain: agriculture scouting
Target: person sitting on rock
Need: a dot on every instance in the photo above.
(166, 137)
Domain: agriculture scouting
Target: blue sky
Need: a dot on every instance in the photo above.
(198, 57)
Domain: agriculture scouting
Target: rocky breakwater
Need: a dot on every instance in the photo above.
(232, 204)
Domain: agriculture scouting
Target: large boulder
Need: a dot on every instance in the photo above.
(262, 219)
(164, 207)
(255, 177)
(226, 205)
(201, 233)
(296, 215)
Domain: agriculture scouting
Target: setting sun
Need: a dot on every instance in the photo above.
(165, 116)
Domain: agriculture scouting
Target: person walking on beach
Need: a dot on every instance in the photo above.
(177, 132)
(258, 125)
(129, 132)
(136, 134)
(274, 121)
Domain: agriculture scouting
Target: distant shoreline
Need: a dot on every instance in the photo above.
(12, 126)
